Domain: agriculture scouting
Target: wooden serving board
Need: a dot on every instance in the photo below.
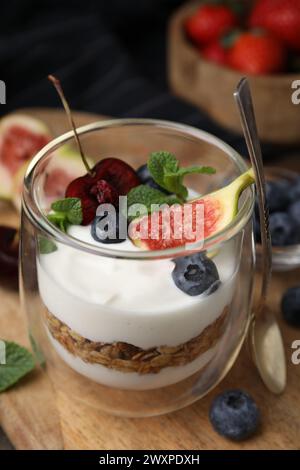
(35, 416)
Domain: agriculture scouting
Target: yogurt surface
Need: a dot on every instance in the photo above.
(134, 301)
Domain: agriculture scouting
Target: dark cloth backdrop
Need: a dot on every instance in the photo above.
(109, 54)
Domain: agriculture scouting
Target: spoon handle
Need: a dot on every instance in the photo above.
(244, 102)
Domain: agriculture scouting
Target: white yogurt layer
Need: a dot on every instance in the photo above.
(134, 301)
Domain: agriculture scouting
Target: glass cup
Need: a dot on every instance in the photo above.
(109, 323)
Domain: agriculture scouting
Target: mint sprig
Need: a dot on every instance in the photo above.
(160, 163)
(46, 246)
(147, 196)
(65, 212)
(165, 170)
(18, 363)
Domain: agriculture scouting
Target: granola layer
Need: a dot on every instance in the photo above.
(126, 357)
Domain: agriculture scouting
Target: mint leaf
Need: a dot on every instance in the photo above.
(160, 163)
(70, 207)
(18, 363)
(189, 170)
(173, 183)
(60, 220)
(46, 246)
(147, 196)
(65, 212)
(75, 213)
(164, 168)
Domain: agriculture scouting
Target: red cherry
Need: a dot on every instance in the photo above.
(110, 178)
(117, 173)
(105, 193)
(80, 187)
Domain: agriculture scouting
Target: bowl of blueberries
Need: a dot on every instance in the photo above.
(283, 196)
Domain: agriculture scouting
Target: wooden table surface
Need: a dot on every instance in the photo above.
(34, 416)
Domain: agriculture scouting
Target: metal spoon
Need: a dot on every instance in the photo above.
(264, 332)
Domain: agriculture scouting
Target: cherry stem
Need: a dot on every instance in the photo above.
(65, 103)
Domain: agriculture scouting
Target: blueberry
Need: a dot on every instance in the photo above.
(277, 193)
(294, 191)
(143, 173)
(290, 306)
(234, 414)
(295, 237)
(108, 231)
(146, 178)
(281, 227)
(294, 212)
(196, 274)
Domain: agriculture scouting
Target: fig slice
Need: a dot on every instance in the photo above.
(64, 166)
(21, 137)
(219, 210)
(6, 183)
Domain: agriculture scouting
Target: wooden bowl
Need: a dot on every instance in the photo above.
(211, 87)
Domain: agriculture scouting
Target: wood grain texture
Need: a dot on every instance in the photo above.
(27, 411)
(189, 75)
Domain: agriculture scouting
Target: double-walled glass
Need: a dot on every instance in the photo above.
(106, 320)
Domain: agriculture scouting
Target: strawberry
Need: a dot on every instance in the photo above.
(215, 52)
(280, 17)
(109, 179)
(257, 53)
(209, 23)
